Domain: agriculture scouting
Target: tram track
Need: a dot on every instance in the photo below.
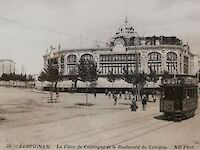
(92, 132)
(125, 133)
(137, 132)
(144, 133)
(124, 136)
(154, 128)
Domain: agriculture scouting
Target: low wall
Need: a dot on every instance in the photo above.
(22, 84)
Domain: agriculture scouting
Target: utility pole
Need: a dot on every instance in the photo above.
(137, 71)
(111, 73)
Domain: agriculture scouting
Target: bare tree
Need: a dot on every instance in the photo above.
(87, 72)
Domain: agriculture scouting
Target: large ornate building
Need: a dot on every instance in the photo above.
(126, 47)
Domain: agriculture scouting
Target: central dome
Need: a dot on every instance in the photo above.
(126, 30)
(125, 35)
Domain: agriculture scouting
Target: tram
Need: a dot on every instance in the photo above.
(179, 98)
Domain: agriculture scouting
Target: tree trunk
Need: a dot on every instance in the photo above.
(51, 91)
(56, 89)
(75, 84)
(138, 91)
(42, 86)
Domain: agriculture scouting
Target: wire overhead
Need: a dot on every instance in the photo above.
(49, 30)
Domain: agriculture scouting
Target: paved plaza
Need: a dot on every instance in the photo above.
(33, 123)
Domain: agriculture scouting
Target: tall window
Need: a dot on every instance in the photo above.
(171, 62)
(117, 62)
(62, 64)
(71, 62)
(186, 64)
(180, 64)
(154, 62)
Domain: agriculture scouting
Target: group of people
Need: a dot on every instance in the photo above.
(114, 95)
(134, 106)
(127, 95)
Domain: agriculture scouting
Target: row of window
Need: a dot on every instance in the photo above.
(119, 67)
(189, 93)
(154, 66)
(153, 56)
(116, 68)
(177, 93)
(154, 62)
(118, 57)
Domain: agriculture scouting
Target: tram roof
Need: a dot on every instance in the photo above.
(179, 82)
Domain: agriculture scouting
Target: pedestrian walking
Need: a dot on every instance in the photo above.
(144, 102)
(154, 97)
(115, 99)
(147, 96)
(113, 94)
(106, 92)
(133, 105)
(129, 95)
(120, 94)
(109, 94)
(125, 95)
(57, 93)
(95, 93)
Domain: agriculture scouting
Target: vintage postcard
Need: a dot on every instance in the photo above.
(99, 74)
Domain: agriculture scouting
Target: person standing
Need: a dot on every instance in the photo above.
(129, 95)
(133, 105)
(109, 94)
(120, 94)
(95, 93)
(144, 102)
(147, 96)
(154, 97)
(115, 99)
(106, 92)
(125, 95)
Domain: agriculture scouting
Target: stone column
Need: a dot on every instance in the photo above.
(144, 61)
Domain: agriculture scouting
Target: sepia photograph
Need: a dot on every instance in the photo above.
(99, 74)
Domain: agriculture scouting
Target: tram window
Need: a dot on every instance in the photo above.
(173, 93)
(189, 93)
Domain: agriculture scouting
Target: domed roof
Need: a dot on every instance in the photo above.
(126, 30)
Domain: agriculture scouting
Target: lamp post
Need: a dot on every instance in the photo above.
(137, 71)
(111, 72)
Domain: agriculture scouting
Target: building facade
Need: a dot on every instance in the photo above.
(127, 48)
(7, 66)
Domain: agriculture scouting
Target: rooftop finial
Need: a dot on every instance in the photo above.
(126, 20)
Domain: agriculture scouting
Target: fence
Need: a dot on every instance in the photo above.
(21, 84)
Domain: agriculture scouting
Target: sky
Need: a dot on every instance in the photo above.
(29, 27)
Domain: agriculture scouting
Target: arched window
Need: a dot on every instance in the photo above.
(154, 62)
(171, 56)
(154, 56)
(71, 63)
(62, 59)
(171, 62)
(71, 58)
(87, 57)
